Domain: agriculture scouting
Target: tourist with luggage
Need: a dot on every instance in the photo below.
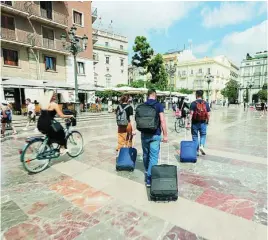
(125, 123)
(200, 114)
(150, 121)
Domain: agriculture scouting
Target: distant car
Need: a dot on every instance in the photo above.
(258, 106)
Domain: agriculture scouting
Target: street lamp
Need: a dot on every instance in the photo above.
(171, 70)
(74, 47)
(209, 78)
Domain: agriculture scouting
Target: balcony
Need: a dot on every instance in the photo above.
(35, 12)
(94, 37)
(110, 35)
(95, 58)
(94, 14)
(110, 49)
(30, 39)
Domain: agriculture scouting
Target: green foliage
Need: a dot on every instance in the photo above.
(158, 72)
(262, 94)
(138, 84)
(231, 90)
(185, 91)
(121, 85)
(108, 94)
(142, 53)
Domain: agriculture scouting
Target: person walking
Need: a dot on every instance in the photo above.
(6, 118)
(199, 115)
(49, 109)
(183, 106)
(262, 109)
(30, 113)
(125, 123)
(149, 114)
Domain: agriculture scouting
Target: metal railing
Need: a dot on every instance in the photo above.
(34, 9)
(32, 39)
(107, 34)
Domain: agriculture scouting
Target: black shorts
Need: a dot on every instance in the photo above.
(5, 120)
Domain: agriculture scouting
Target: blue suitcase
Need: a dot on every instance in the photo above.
(126, 159)
(188, 152)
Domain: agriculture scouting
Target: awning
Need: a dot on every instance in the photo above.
(131, 90)
(21, 83)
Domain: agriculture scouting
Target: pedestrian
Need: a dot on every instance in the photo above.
(125, 123)
(200, 114)
(31, 114)
(150, 120)
(6, 118)
(262, 108)
(245, 106)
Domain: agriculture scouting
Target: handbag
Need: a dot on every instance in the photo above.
(56, 126)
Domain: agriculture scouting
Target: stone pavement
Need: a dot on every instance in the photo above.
(222, 196)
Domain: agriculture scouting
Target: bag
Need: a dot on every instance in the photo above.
(126, 159)
(121, 116)
(8, 115)
(164, 185)
(188, 151)
(147, 119)
(56, 126)
(200, 114)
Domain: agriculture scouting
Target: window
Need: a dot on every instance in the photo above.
(7, 22)
(122, 62)
(200, 70)
(77, 18)
(46, 9)
(7, 2)
(108, 82)
(95, 81)
(122, 71)
(192, 72)
(258, 63)
(106, 44)
(121, 47)
(80, 68)
(208, 70)
(50, 63)
(48, 37)
(107, 60)
(107, 69)
(10, 57)
(183, 73)
(247, 64)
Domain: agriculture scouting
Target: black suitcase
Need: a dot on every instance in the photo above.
(164, 185)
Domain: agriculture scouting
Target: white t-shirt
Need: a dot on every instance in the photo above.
(31, 108)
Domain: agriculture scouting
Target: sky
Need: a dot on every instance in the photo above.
(225, 28)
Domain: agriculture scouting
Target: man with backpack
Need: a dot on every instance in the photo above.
(150, 120)
(125, 123)
(200, 114)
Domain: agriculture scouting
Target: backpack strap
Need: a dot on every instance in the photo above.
(126, 107)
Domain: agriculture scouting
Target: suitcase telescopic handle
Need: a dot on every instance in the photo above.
(160, 153)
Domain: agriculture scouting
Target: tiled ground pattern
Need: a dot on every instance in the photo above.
(51, 205)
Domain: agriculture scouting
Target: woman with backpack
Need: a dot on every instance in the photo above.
(125, 123)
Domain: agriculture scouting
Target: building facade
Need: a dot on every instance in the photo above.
(134, 74)
(253, 75)
(191, 73)
(110, 56)
(31, 45)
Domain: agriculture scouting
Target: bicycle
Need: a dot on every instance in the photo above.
(180, 122)
(41, 150)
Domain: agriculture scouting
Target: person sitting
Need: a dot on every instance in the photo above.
(49, 109)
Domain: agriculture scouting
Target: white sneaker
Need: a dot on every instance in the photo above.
(36, 130)
(201, 148)
(63, 151)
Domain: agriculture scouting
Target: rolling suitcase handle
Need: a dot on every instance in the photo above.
(160, 153)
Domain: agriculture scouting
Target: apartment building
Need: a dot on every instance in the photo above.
(32, 49)
(253, 74)
(192, 73)
(110, 56)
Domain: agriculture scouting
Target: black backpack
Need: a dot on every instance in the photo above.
(147, 118)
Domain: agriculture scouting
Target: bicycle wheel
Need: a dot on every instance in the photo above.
(29, 157)
(74, 143)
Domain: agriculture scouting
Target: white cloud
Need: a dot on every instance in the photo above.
(133, 18)
(237, 44)
(203, 47)
(231, 13)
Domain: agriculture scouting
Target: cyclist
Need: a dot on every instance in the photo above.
(49, 109)
(183, 106)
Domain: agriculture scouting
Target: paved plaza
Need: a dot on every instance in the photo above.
(222, 196)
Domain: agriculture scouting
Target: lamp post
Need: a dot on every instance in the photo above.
(171, 70)
(209, 78)
(74, 47)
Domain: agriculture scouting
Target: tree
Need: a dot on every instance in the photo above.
(138, 84)
(231, 90)
(186, 91)
(262, 94)
(142, 53)
(158, 72)
(121, 85)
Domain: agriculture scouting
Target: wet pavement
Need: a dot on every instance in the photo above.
(222, 196)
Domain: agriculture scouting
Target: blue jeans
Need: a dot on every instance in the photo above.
(202, 129)
(151, 147)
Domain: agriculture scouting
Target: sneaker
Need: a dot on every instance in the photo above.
(202, 150)
(148, 182)
(36, 130)
(63, 151)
